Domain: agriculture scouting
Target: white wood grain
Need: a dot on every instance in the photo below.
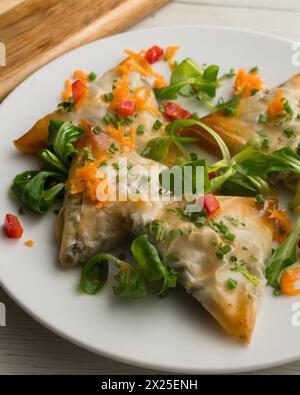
(277, 22)
(28, 348)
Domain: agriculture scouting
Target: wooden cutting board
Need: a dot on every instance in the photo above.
(37, 31)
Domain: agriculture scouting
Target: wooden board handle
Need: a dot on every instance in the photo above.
(35, 32)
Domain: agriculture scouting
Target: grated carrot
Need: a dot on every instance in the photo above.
(288, 280)
(275, 106)
(282, 224)
(170, 55)
(160, 82)
(80, 75)
(29, 243)
(85, 179)
(245, 83)
(67, 93)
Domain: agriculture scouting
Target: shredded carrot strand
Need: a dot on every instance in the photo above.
(160, 82)
(80, 75)
(170, 55)
(85, 179)
(288, 280)
(282, 224)
(245, 83)
(29, 243)
(275, 106)
(67, 93)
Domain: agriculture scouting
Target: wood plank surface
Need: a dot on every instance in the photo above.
(35, 32)
(26, 347)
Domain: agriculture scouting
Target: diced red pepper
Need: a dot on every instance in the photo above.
(154, 54)
(212, 175)
(12, 227)
(173, 111)
(127, 107)
(78, 90)
(211, 204)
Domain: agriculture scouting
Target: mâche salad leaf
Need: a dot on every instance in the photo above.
(95, 273)
(132, 281)
(52, 162)
(284, 256)
(61, 136)
(158, 148)
(37, 189)
(190, 79)
(261, 164)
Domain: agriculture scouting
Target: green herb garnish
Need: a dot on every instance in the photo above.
(92, 76)
(88, 154)
(157, 125)
(231, 284)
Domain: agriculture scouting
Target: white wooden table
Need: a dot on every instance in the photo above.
(28, 348)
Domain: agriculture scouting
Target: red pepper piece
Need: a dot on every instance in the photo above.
(173, 111)
(154, 54)
(211, 204)
(127, 107)
(12, 227)
(78, 90)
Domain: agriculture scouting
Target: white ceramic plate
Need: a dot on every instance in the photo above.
(172, 334)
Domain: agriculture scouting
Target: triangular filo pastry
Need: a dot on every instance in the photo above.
(247, 124)
(221, 264)
(85, 227)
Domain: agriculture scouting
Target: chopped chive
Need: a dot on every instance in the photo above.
(108, 118)
(119, 120)
(129, 119)
(263, 118)
(157, 125)
(92, 76)
(233, 259)
(287, 106)
(113, 148)
(88, 154)
(195, 116)
(266, 143)
(261, 133)
(254, 91)
(260, 198)
(289, 132)
(222, 230)
(193, 156)
(108, 97)
(223, 250)
(234, 221)
(98, 129)
(278, 123)
(232, 284)
(115, 165)
(140, 129)
(254, 70)
(214, 242)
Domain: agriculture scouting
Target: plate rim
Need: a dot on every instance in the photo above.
(251, 367)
